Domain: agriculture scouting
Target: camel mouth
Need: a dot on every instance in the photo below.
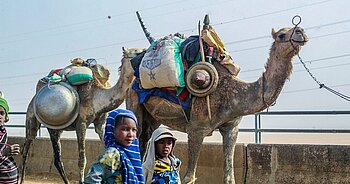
(300, 42)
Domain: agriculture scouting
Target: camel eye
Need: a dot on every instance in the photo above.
(281, 36)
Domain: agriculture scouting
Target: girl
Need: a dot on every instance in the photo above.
(121, 161)
(160, 166)
(8, 167)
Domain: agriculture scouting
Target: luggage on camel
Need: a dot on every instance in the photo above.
(76, 74)
(65, 87)
(162, 66)
(200, 78)
(80, 72)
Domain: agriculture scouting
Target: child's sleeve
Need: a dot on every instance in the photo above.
(95, 174)
(104, 168)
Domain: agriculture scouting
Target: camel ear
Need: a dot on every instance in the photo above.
(273, 33)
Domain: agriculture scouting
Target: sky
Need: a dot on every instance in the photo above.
(38, 36)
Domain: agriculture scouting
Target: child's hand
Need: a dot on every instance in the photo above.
(11, 150)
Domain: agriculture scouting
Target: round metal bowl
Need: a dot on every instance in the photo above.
(56, 105)
(209, 86)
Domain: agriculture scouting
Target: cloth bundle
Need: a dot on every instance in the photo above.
(162, 66)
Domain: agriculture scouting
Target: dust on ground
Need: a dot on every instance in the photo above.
(46, 178)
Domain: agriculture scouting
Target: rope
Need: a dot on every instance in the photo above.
(321, 85)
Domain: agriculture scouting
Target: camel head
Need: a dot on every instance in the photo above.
(289, 39)
(132, 52)
(126, 69)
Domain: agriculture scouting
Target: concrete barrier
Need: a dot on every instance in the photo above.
(254, 163)
(309, 164)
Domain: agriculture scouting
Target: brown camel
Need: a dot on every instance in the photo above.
(95, 102)
(232, 99)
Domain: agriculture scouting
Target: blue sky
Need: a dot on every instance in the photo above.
(37, 36)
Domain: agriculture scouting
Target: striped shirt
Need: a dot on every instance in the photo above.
(8, 167)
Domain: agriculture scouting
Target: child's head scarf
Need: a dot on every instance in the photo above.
(149, 158)
(3, 103)
(130, 155)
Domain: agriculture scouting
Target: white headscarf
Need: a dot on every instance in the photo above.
(150, 155)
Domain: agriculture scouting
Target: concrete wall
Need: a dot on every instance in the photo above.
(254, 163)
(308, 164)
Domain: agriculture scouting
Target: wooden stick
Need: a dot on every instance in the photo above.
(203, 60)
(208, 106)
(201, 42)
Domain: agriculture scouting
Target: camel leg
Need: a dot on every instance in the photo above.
(229, 132)
(142, 134)
(55, 136)
(195, 140)
(81, 133)
(144, 128)
(32, 127)
(99, 125)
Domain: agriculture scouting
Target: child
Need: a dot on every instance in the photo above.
(8, 167)
(121, 161)
(160, 166)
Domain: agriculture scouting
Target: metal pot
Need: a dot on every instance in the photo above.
(56, 105)
(209, 84)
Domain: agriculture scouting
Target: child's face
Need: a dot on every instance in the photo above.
(164, 147)
(125, 131)
(2, 116)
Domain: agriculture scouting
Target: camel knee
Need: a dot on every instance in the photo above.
(99, 132)
(82, 163)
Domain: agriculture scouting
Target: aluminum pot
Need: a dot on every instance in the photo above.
(56, 105)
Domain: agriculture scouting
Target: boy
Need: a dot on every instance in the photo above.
(121, 161)
(8, 167)
(160, 166)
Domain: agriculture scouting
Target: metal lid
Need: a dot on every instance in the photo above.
(56, 105)
(209, 85)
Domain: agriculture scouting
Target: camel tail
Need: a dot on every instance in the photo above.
(144, 28)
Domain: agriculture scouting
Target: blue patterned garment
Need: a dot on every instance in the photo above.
(165, 173)
(117, 164)
(130, 156)
(107, 169)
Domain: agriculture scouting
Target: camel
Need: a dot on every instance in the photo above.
(232, 99)
(95, 102)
